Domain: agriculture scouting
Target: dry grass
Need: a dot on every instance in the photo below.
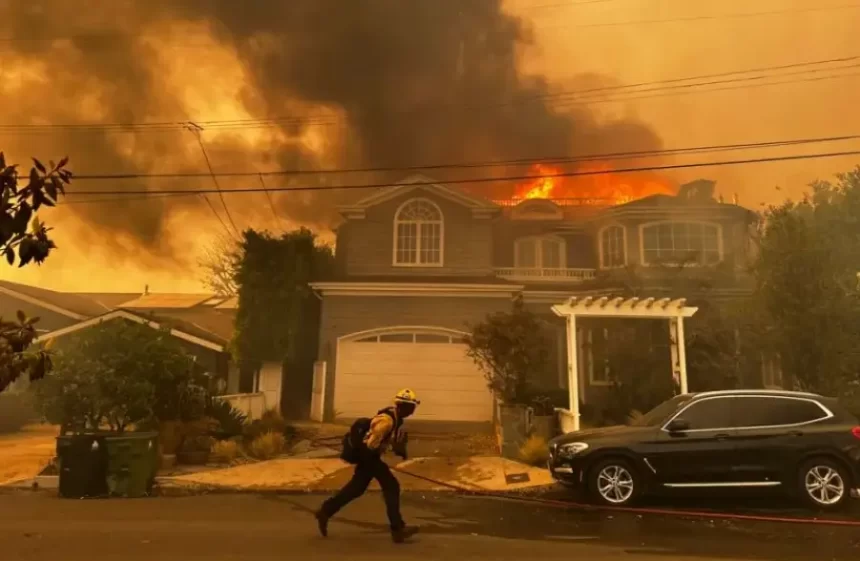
(267, 446)
(225, 451)
(535, 451)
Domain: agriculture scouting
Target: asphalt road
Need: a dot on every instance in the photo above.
(39, 527)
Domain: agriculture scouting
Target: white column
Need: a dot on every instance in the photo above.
(673, 348)
(573, 370)
(682, 354)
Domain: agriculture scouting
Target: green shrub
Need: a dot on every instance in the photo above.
(535, 451)
(268, 446)
(16, 411)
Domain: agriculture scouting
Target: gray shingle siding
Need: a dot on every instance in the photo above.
(368, 243)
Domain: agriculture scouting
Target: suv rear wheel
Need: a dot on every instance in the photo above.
(824, 484)
(614, 482)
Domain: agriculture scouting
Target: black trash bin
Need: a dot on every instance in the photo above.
(83, 465)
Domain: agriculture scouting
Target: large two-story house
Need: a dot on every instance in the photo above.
(419, 262)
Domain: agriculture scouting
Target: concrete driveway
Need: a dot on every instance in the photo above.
(24, 454)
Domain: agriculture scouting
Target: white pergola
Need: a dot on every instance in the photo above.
(674, 310)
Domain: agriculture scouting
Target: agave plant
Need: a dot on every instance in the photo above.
(231, 421)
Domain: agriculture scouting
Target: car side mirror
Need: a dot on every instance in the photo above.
(678, 425)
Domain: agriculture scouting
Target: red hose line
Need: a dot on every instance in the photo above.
(633, 510)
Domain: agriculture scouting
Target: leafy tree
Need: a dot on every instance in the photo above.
(117, 374)
(278, 316)
(25, 239)
(807, 287)
(512, 349)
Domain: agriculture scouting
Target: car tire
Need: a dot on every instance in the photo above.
(823, 484)
(614, 482)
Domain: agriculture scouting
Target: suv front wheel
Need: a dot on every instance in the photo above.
(824, 484)
(613, 482)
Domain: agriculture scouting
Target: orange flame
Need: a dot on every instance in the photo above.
(602, 186)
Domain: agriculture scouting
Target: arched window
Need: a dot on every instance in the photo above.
(542, 252)
(418, 234)
(681, 242)
(613, 247)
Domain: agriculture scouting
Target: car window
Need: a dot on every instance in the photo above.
(707, 414)
(661, 413)
(763, 411)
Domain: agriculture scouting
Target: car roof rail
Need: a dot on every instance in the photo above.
(786, 393)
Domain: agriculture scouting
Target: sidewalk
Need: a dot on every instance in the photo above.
(327, 474)
(24, 454)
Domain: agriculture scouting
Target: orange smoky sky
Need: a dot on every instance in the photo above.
(386, 84)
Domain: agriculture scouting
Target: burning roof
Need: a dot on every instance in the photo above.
(601, 187)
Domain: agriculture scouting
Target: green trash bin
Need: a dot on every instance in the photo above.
(83, 463)
(132, 463)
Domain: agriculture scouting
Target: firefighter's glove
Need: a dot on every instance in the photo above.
(399, 446)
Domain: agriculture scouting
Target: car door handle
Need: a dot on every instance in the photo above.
(722, 436)
(795, 433)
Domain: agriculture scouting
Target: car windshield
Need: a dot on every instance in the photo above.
(660, 413)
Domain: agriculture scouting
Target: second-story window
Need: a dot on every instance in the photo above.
(545, 252)
(418, 234)
(681, 243)
(612, 247)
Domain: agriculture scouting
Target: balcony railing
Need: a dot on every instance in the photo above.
(536, 274)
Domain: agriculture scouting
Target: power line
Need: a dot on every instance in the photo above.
(487, 164)
(477, 180)
(714, 17)
(687, 19)
(195, 130)
(271, 202)
(672, 83)
(618, 99)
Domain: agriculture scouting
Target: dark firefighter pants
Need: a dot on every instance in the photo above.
(365, 471)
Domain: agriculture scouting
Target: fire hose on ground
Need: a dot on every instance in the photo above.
(571, 505)
(629, 510)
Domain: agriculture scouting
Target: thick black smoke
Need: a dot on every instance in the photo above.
(416, 82)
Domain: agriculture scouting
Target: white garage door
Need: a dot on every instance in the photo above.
(371, 369)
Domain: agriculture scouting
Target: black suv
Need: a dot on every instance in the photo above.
(801, 443)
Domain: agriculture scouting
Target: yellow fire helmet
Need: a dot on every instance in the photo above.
(406, 396)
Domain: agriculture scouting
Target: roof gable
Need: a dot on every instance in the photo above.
(63, 303)
(419, 182)
(141, 319)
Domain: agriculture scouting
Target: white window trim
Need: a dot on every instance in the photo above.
(642, 227)
(539, 254)
(623, 242)
(403, 330)
(441, 223)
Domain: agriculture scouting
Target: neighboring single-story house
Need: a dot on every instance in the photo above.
(202, 322)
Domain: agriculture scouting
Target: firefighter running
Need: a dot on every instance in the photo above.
(363, 446)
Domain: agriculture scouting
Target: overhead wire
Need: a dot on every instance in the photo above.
(195, 130)
(587, 95)
(558, 160)
(486, 179)
(711, 17)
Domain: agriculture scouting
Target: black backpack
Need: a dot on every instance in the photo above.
(353, 441)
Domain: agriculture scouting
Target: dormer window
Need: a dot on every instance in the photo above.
(613, 247)
(540, 252)
(677, 243)
(418, 234)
